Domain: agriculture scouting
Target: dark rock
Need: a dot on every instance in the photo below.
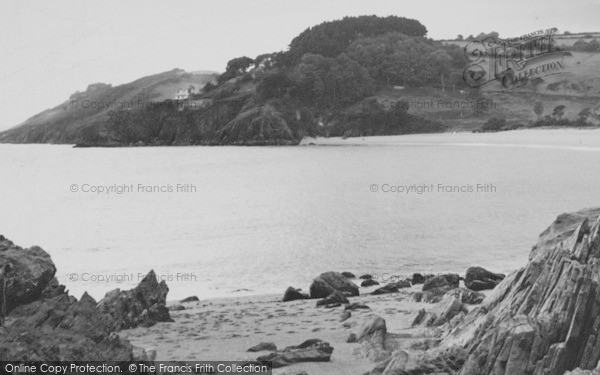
(309, 351)
(329, 282)
(392, 287)
(417, 278)
(449, 280)
(30, 272)
(432, 295)
(478, 278)
(263, 346)
(366, 276)
(190, 299)
(293, 294)
(369, 282)
(334, 298)
(348, 275)
(356, 306)
(142, 306)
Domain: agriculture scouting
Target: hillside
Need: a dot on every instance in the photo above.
(358, 76)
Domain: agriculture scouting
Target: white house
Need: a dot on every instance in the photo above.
(182, 95)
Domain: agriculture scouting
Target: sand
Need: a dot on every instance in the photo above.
(223, 329)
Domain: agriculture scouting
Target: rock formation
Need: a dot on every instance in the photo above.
(329, 282)
(313, 350)
(478, 278)
(292, 294)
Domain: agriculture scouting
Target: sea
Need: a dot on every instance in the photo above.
(230, 221)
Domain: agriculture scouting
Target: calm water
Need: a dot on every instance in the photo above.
(265, 218)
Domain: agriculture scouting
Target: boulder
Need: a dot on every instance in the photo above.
(334, 298)
(467, 296)
(417, 278)
(366, 276)
(190, 299)
(478, 278)
(30, 272)
(449, 281)
(313, 350)
(372, 336)
(293, 294)
(329, 282)
(348, 275)
(368, 282)
(263, 346)
(392, 287)
(142, 306)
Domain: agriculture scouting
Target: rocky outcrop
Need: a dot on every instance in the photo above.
(448, 281)
(329, 282)
(190, 299)
(368, 282)
(293, 294)
(313, 350)
(392, 287)
(142, 306)
(30, 272)
(449, 307)
(372, 336)
(467, 296)
(478, 278)
(417, 278)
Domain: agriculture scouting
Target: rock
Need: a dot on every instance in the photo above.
(392, 287)
(366, 276)
(334, 298)
(449, 280)
(372, 337)
(356, 306)
(345, 315)
(62, 329)
(190, 299)
(263, 346)
(313, 350)
(142, 306)
(293, 294)
(348, 275)
(441, 313)
(369, 282)
(329, 282)
(478, 278)
(417, 278)
(176, 308)
(467, 296)
(31, 272)
(432, 295)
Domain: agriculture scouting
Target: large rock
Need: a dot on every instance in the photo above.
(467, 296)
(329, 282)
(449, 307)
(448, 281)
(478, 278)
(143, 305)
(372, 336)
(334, 298)
(392, 287)
(31, 271)
(313, 350)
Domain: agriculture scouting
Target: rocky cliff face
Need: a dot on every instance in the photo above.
(543, 319)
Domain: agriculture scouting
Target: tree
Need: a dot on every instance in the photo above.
(538, 108)
(584, 115)
(460, 38)
(239, 65)
(440, 62)
(558, 112)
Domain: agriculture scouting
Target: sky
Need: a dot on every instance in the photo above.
(50, 49)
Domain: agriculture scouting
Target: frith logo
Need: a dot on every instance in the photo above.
(513, 62)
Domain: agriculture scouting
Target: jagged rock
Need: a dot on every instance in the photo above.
(345, 315)
(329, 282)
(62, 329)
(545, 317)
(366, 276)
(293, 294)
(392, 287)
(441, 313)
(263, 346)
(313, 350)
(334, 298)
(449, 281)
(478, 278)
(467, 296)
(369, 282)
(190, 299)
(417, 278)
(372, 336)
(142, 306)
(348, 275)
(31, 271)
